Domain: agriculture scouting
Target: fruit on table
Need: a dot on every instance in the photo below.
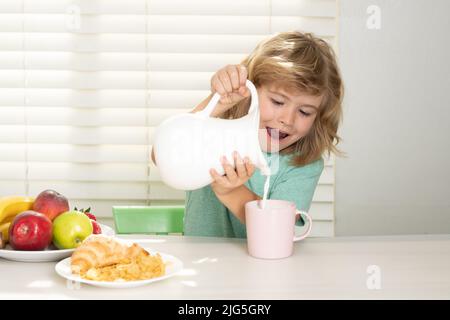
(96, 229)
(51, 203)
(30, 230)
(87, 212)
(4, 231)
(10, 206)
(70, 229)
(95, 225)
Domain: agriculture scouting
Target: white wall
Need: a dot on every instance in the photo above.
(396, 129)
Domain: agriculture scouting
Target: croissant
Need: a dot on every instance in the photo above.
(98, 251)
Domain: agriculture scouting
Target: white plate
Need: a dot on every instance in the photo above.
(173, 266)
(44, 255)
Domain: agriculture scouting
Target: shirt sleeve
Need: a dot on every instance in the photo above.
(298, 185)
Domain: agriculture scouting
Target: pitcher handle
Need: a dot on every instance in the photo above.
(216, 97)
(308, 230)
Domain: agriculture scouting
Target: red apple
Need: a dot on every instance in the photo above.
(30, 230)
(51, 204)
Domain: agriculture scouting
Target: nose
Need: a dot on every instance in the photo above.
(287, 116)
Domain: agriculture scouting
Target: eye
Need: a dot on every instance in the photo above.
(278, 103)
(305, 114)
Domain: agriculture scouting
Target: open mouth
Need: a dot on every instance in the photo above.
(276, 134)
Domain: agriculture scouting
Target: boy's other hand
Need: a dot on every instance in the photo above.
(233, 177)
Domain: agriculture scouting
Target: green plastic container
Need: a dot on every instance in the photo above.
(148, 219)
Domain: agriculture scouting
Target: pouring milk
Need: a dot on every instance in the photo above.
(188, 145)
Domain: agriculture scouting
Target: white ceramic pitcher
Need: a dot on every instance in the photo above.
(188, 145)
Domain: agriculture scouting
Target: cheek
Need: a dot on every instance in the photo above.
(266, 111)
(303, 126)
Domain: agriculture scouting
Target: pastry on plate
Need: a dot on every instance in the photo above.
(104, 258)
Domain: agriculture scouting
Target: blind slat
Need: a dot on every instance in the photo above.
(93, 190)
(44, 152)
(12, 187)
(88, 118)
(99, 117)
(166, 99)
(104, 79)
(12, 171)
(126, 117)
(179, 62)
(322, 8)
(124, 172)
(163, 24)
(68, 171)
(76, 135)
(172, 43)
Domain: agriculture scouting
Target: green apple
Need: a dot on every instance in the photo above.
(70, 229)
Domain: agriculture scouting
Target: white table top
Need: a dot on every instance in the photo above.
(411, 267)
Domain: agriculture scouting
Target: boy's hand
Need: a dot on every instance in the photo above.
(229, 82)
(233, 178)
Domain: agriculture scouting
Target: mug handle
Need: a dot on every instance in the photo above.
(308, 230)
(216, 97)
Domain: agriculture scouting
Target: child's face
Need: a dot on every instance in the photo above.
(292, 113)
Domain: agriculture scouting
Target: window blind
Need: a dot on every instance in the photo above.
(84, 83)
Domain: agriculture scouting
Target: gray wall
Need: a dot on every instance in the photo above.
(396, 131)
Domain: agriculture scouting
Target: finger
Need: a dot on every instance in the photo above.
(221, 180)
(242, 75)
(233, 73)
(229, 170)
(234, 98)
(249, 166)
(226, 82)
(243, 91)
(225, 98)
(240, 168)
(216, 86)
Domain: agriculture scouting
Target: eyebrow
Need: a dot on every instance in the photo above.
(285, 96)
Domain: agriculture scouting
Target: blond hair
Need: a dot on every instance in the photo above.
(300, 61)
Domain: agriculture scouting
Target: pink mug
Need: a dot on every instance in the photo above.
(271, 231)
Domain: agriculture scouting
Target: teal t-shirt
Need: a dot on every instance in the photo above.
(205, 215)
